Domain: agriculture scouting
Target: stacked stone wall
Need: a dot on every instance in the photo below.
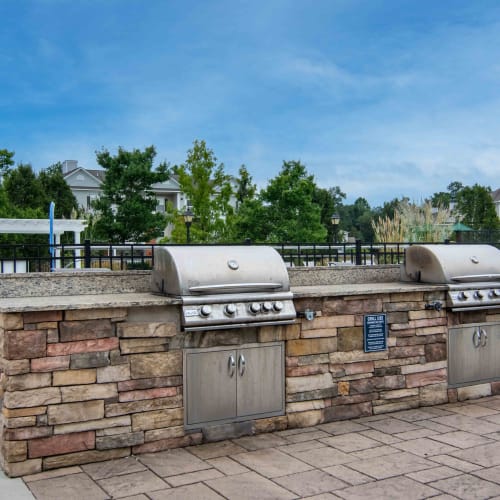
(90, 385)
(86, 385)
(330, 377)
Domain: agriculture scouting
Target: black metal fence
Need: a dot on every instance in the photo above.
(19, 258)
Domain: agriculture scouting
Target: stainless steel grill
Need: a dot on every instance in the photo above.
(225, 286)
(472, 273)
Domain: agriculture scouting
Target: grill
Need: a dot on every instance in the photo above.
(225, 286)
(472, 273)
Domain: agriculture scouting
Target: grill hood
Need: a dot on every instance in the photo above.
(206, 270)
(225, 286)
(452, 263)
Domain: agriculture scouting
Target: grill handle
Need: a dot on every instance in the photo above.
(471, 278)
(234, 287)
(242, 364)
(231, 365)
(484, 337)
(476, 338)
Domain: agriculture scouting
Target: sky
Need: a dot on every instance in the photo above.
(383, 98)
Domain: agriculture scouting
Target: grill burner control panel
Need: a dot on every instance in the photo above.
(475, 298)
(237, 314)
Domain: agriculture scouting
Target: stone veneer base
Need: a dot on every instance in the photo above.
(93, 384)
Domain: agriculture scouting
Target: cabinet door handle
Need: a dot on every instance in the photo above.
(483, 337)
(231, 365)
(476, 337)
(242, 364)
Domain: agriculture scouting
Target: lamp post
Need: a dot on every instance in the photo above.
(335, 220)
(188, 220)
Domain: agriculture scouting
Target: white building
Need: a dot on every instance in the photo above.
(86, 185)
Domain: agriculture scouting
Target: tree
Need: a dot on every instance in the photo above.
(6, 160)
(252, 222)
(21, 197)
(126, 208)
(249, 211)
(389, 208)
(55, 188)
(292, 213)
(476, 208)
(330, 202)
(446, 199)
(357, 218)
(246, 189)
(208, 190)
(23, 188)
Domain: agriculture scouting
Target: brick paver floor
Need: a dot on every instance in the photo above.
(441, 452)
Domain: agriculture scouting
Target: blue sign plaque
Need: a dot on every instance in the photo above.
(375, 332)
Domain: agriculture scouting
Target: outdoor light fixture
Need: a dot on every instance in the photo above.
(335, 220)
(188, 220)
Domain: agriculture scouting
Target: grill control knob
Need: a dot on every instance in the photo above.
(254, 307)
(205, 311)
(230, 310)
(478, 294)
(462, 296)
(267, 306)
(494, 294)
(278, 306)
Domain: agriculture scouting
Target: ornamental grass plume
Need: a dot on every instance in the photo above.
(389, 230)
(414, 223)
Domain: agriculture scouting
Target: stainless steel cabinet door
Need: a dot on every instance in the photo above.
(473, 353)
(260, 387)
(210, 379)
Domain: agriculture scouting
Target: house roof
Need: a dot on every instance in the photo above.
(89, 177)
(496, 195)
(172, 183)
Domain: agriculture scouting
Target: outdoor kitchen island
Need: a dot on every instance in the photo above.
(92, 363)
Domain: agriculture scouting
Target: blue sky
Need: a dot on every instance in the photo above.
(383, 98)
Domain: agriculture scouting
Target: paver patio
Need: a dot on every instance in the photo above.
(449, 451)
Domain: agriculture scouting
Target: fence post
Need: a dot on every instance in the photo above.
(87, 253)
(358, 252)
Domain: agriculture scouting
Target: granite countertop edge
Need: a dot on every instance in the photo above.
(91, 301)
(117, 300)
(364, 289)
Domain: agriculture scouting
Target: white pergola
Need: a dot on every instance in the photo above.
(42, 226)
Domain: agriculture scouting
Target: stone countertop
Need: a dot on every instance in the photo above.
(110, 300)
(91, 301)
(363, 289)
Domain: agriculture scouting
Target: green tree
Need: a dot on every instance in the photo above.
(126, 208)
(55, 188)
(292, 213)
(356, 219)
(445, 198)
(389, 208)
(21, 197)
(475, 207)
(23, 189)
(330, 202)
(454, 188)
(208, 190)
(6, 160)
(246, 189)
(252, 222)
(249, 210)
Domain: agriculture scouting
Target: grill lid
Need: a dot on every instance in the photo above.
(208, 270)
(225, 286)
(452, 263)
